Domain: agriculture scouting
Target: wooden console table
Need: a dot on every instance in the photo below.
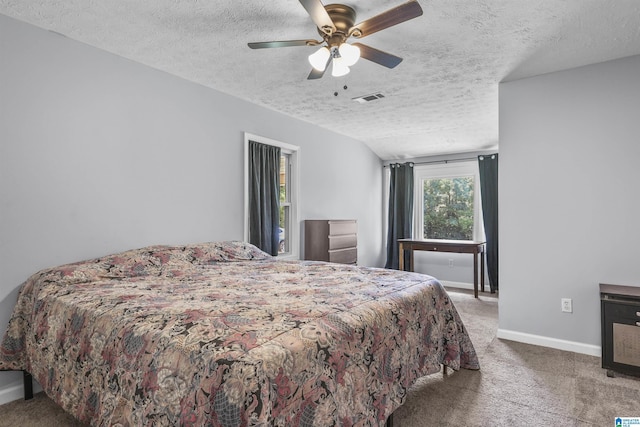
(458, 246)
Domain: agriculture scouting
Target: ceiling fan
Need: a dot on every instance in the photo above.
(335, 24)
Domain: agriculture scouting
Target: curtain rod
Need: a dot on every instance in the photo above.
(439, 161)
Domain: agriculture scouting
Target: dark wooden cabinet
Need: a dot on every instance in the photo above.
(620, 316)
(331, 241)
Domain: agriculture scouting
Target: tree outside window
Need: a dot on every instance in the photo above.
(448, 208)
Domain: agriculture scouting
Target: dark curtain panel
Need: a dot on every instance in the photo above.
(400, 210)
(264, 196)
(489, 192)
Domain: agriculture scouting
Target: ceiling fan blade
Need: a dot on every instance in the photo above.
(379, 57)
(391, 17)
(317, 74)
(285, 43)
(319, 15)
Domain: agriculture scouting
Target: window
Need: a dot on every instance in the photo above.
(285, 203)
(447, 203)
(448, 208)
(288, 235)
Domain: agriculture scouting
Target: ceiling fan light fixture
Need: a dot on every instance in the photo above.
(339, 67)
(319, 58)
(349, 53)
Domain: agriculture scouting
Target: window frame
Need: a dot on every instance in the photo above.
(287, 204)
(293, 235)
(446, 170)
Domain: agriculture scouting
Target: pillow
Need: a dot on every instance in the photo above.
(154, 261)
(147, 261)
(209, 253)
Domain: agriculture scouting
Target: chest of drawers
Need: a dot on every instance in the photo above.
(331, 241)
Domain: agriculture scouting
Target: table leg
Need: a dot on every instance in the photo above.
(411, 260)
(482, 270)
(400, 256)
(27, 380)
(475, 274)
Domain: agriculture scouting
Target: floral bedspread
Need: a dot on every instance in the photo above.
(222, 334)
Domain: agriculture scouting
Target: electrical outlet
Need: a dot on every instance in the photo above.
(567, 305)
(450, 263)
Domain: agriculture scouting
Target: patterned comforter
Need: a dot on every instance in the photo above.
(222, 334)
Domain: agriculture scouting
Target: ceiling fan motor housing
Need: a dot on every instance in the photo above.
(343, 17)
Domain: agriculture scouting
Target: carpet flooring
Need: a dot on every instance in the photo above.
(518, 385)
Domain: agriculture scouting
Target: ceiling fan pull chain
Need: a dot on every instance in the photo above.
(344, 87)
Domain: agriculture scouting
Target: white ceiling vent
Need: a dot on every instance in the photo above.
(368, 98)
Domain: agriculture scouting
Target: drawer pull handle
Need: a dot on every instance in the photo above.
(637, 323)
(638, 313)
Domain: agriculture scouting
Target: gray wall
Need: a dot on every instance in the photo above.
(569, 175)
(100, 154)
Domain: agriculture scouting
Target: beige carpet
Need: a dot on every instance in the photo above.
(518, 385)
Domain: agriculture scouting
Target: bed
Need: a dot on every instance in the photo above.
(222, 334)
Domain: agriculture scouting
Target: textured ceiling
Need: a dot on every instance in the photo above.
(443, 98)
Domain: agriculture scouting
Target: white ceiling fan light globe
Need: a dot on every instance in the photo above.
(349, 53)
(319, 58)
(339, 67)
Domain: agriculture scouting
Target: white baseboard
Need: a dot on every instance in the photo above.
(11, 393)
(15, 391)
(575, 347)
(461, 285)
